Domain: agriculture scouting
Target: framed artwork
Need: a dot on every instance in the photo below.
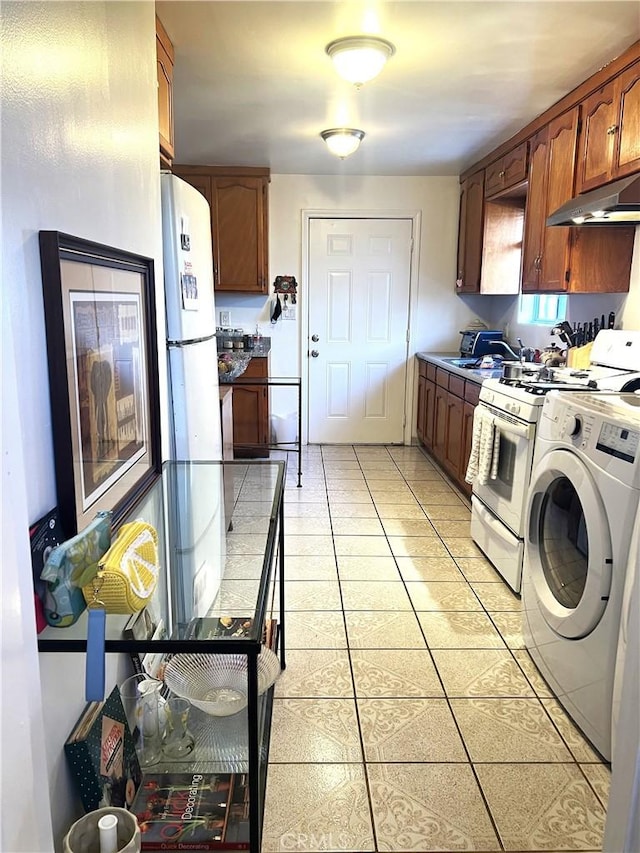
(102, 350)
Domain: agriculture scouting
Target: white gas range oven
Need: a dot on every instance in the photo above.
(498, 506)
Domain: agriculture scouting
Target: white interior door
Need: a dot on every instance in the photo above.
(359, 276)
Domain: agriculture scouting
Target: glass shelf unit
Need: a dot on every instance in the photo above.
(211, 566)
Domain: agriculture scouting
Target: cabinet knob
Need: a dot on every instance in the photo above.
(501, 174)
(611, 130)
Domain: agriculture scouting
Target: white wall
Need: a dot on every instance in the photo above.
(79, 155)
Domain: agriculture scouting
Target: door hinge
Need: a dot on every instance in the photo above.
(407, 337)
(567, 276)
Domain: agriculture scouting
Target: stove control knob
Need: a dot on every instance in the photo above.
(574, 425)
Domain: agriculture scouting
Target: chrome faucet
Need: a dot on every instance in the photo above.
(507, 348)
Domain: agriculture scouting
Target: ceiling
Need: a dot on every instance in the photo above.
(254, 87)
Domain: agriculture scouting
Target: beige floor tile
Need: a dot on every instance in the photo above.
(459, 630)
(509, 624)
(432, 486)
(344, 475)
(383, 630)
(394, 673)
(579, 746)
(452, 511)
(453, 529)
(306, 495)
(333, 466)
(246, 524)
(314, 730)
(361, 546)
(478, 569)
(252, 509)
(425, 807)
(497, 597)
(374, 595)
(413, 510)
(429, 569)
(508, 730)
(357, 527)
(312, 807)
(442, 595)
(240, 567)
(307, 526)
(480, 673)
(332, 453)
(245, 543)
(315, 672)
(355, 510)
(408, 527)
(320, 629)
(336, 488)
(367, 569)
(599, 777)
(235, 595)
(350, 497)
(312, 595)
(417, 546)
(310, 569)
(542, 806)
(409, 730)
(540, 686)
(419, 476)
(296, 545)
(459, 546)
(304, 510)
(393, 496)
(382, 477)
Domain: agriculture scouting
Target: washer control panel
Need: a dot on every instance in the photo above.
(618, 441)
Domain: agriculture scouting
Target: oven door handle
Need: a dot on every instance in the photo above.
(510, 428)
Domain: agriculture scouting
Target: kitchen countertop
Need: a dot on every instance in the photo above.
(475, 374)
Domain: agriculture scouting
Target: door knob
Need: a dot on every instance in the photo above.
(315, 338)
(314, 353)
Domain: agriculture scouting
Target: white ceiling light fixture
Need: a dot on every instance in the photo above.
(342, 141)
(359, 59)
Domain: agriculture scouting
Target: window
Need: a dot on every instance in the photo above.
(543, 310)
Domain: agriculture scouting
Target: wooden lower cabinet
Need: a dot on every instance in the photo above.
(444, 422)
(251, 413)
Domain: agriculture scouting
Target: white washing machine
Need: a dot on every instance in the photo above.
(581, 507)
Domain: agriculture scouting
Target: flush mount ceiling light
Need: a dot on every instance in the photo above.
(342, 141)
(359, 59)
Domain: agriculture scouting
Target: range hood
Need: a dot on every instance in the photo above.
(613, 204)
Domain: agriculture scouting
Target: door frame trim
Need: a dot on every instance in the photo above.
(415, 216)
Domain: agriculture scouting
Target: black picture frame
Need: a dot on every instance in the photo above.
(102, 350)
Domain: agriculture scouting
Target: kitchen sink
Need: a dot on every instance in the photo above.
(463, 362)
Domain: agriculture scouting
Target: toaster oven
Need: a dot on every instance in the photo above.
(475, 343)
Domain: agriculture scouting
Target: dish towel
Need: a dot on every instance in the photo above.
(485, 448)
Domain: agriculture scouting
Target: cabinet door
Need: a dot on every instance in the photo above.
(164, 59)
(429, 412)
(535, 212)
(421, 409)
(598, 138)
(562, 141)
(514, 166)
(470, 234)
(251, 413)
(239, 233)
(627, 148)
(467, 437)
(453, 454)
(201, 182)
(439, 446)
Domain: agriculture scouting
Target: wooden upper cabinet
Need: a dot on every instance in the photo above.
(470, 234)
(507, 172)
(610, 144)
(239, 213)
(165, 61)
(535, 211)
(239, 224)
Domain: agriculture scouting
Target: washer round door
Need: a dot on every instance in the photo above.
(568, 545)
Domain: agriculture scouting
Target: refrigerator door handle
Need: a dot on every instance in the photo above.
(186, 343)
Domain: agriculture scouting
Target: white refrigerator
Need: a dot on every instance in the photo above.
(191, 322)
(198, 523)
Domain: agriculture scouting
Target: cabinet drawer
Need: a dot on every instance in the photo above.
(422, 368)
(456, 385)
(431, 372)
(442, 377)
(472, 392)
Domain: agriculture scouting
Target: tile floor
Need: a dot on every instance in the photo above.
(410, 716)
